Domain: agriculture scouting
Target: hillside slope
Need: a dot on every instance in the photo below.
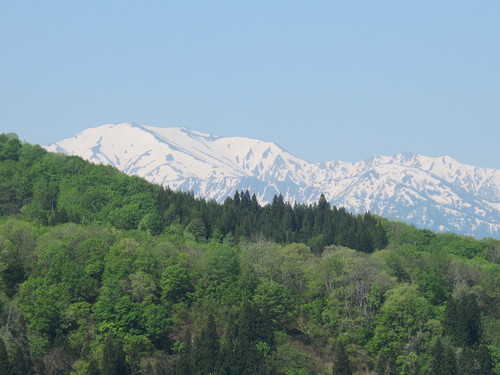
(437, 193)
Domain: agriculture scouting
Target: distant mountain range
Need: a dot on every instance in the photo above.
(436, 193)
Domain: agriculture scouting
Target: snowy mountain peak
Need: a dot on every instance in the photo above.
(434, 192)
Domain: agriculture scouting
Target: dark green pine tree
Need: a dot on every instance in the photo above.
(206, 349)
(437, 361)
(379, 236)
(227, 360)
(246, 201)
(21, 364)
(473, 321)
(365, 240)
(183, 364)
(450, 361)
(342, 365)
(263, 326)
(4, 360)
(386, 364)
(450, 318)
(467, 364)
(462, 320)
(321, 212)
(254, 205)
(443, 359)
(245, 350)
(114, 361)
(239, 353)
(484, 360)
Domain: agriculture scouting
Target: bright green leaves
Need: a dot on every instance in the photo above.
(176, 285)
(277, 302)
(404, 325)
(10, 147)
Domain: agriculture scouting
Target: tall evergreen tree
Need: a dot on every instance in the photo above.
(437, 362)
(206, 349)
(246, 201)
(236, 198)
(182, 365)
(21, 363)
(239, 353)
(462, 320)
(450, 361)
(443, 360)
(4, 360)
(450, 317)
(386, 364)
(245, 350)
(227, 359)
(342, 365)
(467, 364)
(114, 361)
(473, 322)
(484, 360)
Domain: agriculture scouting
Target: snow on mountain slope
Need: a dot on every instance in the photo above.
(436, 193)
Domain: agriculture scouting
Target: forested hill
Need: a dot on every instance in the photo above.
(101, 273)
(435, 193)
(51, 189)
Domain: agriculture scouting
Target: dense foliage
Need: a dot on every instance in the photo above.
(51, 189)
(102, 273)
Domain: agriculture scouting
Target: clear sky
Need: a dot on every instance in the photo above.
(326, 80)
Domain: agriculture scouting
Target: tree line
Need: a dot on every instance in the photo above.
(53, 189)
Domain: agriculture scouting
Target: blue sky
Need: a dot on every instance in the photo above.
(326, 80)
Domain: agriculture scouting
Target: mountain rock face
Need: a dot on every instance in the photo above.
(436, 193)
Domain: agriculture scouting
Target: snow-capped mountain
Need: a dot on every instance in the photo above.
(436, 193)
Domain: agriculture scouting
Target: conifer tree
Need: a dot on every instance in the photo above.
(247, 359)
(342, 365)
(245, 200)
(462, 320)
(467, 364)
(484, 360)
(183, 365)
(443, 360)
(254, 206)
(450, 361)
(4, 360)
(239, 354)
(206, 349)
(473, 320)
(236, 198)
(386, 364)
(450, 317)
(21, 364)
(114, 362)
(226, 360)
(263, 326)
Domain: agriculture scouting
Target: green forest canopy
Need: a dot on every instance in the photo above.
(103, 273)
